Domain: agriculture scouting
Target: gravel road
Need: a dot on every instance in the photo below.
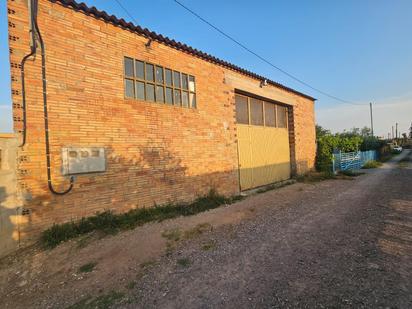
(345, 243)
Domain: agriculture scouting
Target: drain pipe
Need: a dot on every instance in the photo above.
(46, 119)
(32, 15)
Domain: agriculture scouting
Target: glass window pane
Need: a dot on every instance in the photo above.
(139, 69)
(176, 79)
(191, 83)
(177, 99)
(168, 76)
(129, 88)
(185, 99)
(159, 94)
(192, 100)
(185, 82)
(150, 92)
(270, 115)
(242, 110)
(140, 90)
(282, 116)
(159, 75)
(256, 112)
(169, 95)
(149, 72)
(128, 67)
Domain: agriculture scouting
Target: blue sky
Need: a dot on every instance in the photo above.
(356, 50)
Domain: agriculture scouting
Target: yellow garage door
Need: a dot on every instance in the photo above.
(263, 142)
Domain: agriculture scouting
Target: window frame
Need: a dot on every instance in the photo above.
(264, 102)
(155, 83)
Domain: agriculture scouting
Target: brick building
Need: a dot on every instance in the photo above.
(138, 119)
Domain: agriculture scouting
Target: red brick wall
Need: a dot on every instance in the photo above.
(155, 153)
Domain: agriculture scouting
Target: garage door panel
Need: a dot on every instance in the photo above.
(263, 155)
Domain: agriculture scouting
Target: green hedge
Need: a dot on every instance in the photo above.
(328, 143)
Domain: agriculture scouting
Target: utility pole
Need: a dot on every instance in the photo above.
(396, 130)
(370, 105)
(393, 135)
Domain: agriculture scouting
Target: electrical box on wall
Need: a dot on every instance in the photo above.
(83, 160)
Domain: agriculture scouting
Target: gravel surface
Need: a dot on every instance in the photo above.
(345, 243)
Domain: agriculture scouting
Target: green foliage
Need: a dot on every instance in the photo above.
(184, 262)
(349, 141)
(371, 164)
(320, 131)
(351, 173)
(314, 176)
(86, 268)
(101, 302)
(371, 143)
(329, 143)
(110, 223)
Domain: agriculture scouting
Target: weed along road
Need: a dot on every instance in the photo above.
(341, 243)
(331, 244)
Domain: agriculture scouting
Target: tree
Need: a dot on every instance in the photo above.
(320, 131)
(366, 131)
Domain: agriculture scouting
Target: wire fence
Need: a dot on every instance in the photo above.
(343, 161)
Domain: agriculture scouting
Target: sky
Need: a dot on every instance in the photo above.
(357, 50)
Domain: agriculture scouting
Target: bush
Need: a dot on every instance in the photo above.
(351, 141)
(371, 164)
(327, 144)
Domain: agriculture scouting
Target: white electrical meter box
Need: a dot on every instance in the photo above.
(83, 160)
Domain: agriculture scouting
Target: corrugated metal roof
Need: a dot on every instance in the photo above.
(93, 11)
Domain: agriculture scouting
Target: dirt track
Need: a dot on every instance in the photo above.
(341, 244)
(337, 243)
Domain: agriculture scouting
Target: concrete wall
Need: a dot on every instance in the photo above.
(155, 153)
(10, 212)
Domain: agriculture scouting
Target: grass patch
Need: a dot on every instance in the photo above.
(174, 234)
(210, 245)
(197, 230)
(102, 302)
(277, 185)
(350, 173)
(183, 262)
(86, 268)
(110, 223)
(147, 264)
(131, 285)
(312, 177)
(371, 164)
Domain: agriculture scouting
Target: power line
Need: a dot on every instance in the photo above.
(262, 58)
(248, 50)
(126, 11)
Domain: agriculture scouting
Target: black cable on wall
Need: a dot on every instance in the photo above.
(34, 6)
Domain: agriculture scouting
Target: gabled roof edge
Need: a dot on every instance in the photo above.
(93, 11)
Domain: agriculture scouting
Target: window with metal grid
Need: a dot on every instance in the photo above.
(148, 82)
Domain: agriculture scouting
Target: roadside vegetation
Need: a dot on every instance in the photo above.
(110, 223)
(372, 164)
(315, 176)
(404, 162)
(348, 141)
(101, 302)
(86, 268)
